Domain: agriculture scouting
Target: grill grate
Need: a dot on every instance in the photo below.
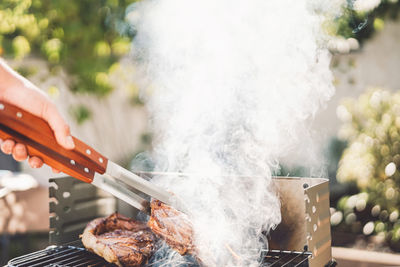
(285, 258)
(72, 256)
(63, 256)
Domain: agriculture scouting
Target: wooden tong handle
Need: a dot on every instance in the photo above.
(23, 127)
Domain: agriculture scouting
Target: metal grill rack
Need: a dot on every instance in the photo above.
(286, 258)
(62, 256)
(72, 256)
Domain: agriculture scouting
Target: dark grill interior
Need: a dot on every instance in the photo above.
(72, 256)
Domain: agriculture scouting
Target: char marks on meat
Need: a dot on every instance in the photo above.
(119, 240)
(173, 226)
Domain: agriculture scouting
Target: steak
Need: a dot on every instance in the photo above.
(173, 226)
(119, 240)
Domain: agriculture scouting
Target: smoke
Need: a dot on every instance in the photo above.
(230, 87)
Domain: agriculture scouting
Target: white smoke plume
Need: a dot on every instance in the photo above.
(229, 86)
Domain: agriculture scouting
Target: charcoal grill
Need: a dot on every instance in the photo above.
(295, 242)
(75, 256)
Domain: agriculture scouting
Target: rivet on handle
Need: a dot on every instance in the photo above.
(72, 162)
(88, 151)
(101, 160)
(86, 170)
(2, 106)
(19, 114)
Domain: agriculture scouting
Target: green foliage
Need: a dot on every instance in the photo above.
(84, 37)
(372, 160)
(80, 113)
(362, 24)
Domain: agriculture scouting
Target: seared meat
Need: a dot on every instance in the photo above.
(173, 226)
(119, 240)
(127, 242)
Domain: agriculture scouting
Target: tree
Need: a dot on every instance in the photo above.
(372, 160)
(86, 38)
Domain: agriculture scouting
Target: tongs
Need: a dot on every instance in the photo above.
(82, 162)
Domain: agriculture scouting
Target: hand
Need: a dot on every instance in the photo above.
(18, 91)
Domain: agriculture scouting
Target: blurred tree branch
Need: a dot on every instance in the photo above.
(371, 126)
(86, 38)
(361, 20)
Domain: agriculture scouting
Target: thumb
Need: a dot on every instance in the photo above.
(58, 125)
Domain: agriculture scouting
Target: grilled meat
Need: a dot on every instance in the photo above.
(173, 226)
(119, 240)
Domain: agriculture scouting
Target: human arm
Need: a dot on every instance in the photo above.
(20, 92)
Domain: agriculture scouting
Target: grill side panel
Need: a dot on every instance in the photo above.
(291, 232)
(72, 205)
(318, 222)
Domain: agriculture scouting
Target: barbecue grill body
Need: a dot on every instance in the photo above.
(305, 222)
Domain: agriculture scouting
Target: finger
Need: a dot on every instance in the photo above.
(7, 146)
(55, 170)
(58, 125)
(19, 152)
(35, 162)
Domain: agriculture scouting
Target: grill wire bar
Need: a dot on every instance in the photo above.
(63, 256)
(72, 256)
(286, 258)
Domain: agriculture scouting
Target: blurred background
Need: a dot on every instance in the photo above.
(78, 53)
